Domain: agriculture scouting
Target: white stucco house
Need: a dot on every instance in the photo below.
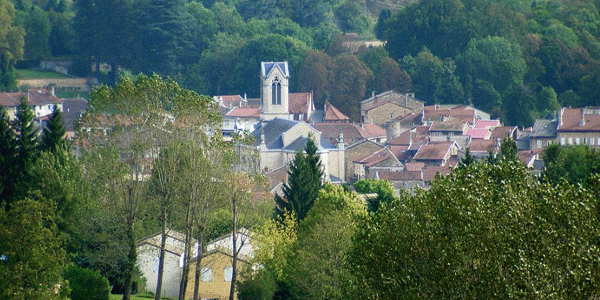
(148, 256)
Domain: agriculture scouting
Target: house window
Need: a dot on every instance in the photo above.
(539, 143)
(585, 141)
(591, 141)
(562, 141)
(276, 92)
(576, 141)
(570, 141)
(228, 273)
(206, 274)
(391, 116)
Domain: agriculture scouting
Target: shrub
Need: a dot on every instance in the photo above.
(87, 284)
(260, 286)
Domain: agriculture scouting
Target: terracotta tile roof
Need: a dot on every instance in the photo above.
(448, 126)
(579, 119)
(244, 112)
(300, 102)
(437, 151)
(460, 114)
(410, 120)
(479, 133)
(414, 166)
(413, 135)
(400, 152)
(453, 161)
(34, 97)
(404, 100)
(42, 97)
(487, 124)
(352, 132)
(10, 99)
(230, 101)
(503, 132)
(528, 156)
(277, 176)
(380, 103)
(478, 145)
(376, 157)
(373, 130)
(430, 172)
(403, 139)
(400, 176)
(332, 114)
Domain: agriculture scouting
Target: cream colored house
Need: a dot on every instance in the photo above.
(579, 126)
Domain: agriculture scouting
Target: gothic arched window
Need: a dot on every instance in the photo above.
(276, 92)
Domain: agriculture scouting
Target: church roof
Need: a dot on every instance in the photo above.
(273, 131)
(267, 67)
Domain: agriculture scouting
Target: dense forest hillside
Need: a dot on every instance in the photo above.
(516, 59)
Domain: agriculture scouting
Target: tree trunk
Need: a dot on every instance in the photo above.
(132, 255)
(186, 259)
(234, 250)
(115, 70)
(198, 273)
(161, 257)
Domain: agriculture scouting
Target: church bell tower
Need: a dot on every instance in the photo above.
(275, 82)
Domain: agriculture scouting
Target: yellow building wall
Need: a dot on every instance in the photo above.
(591, 139)
(217, 288)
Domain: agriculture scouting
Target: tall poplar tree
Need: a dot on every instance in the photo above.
(305, 175)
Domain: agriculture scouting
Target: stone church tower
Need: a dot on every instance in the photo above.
(275, 79)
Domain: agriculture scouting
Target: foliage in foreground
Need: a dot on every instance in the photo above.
(34, 257)
(485, 232)
(87, 284)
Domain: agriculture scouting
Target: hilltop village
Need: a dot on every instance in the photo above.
(399, 139)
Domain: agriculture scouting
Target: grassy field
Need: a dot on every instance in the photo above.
(134, 297)
(84, 95)
(32, 74)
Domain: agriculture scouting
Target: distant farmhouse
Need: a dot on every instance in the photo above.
(42, 102)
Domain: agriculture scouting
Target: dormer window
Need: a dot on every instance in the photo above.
(276, 92)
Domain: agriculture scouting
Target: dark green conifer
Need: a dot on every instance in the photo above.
(467, 160)
(7, 156)
(304, 182)
(54, 132)
(26, 148)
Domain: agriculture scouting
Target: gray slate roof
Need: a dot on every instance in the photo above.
(544, 128)
(73, 108)
(266, 68)
(273, 131)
